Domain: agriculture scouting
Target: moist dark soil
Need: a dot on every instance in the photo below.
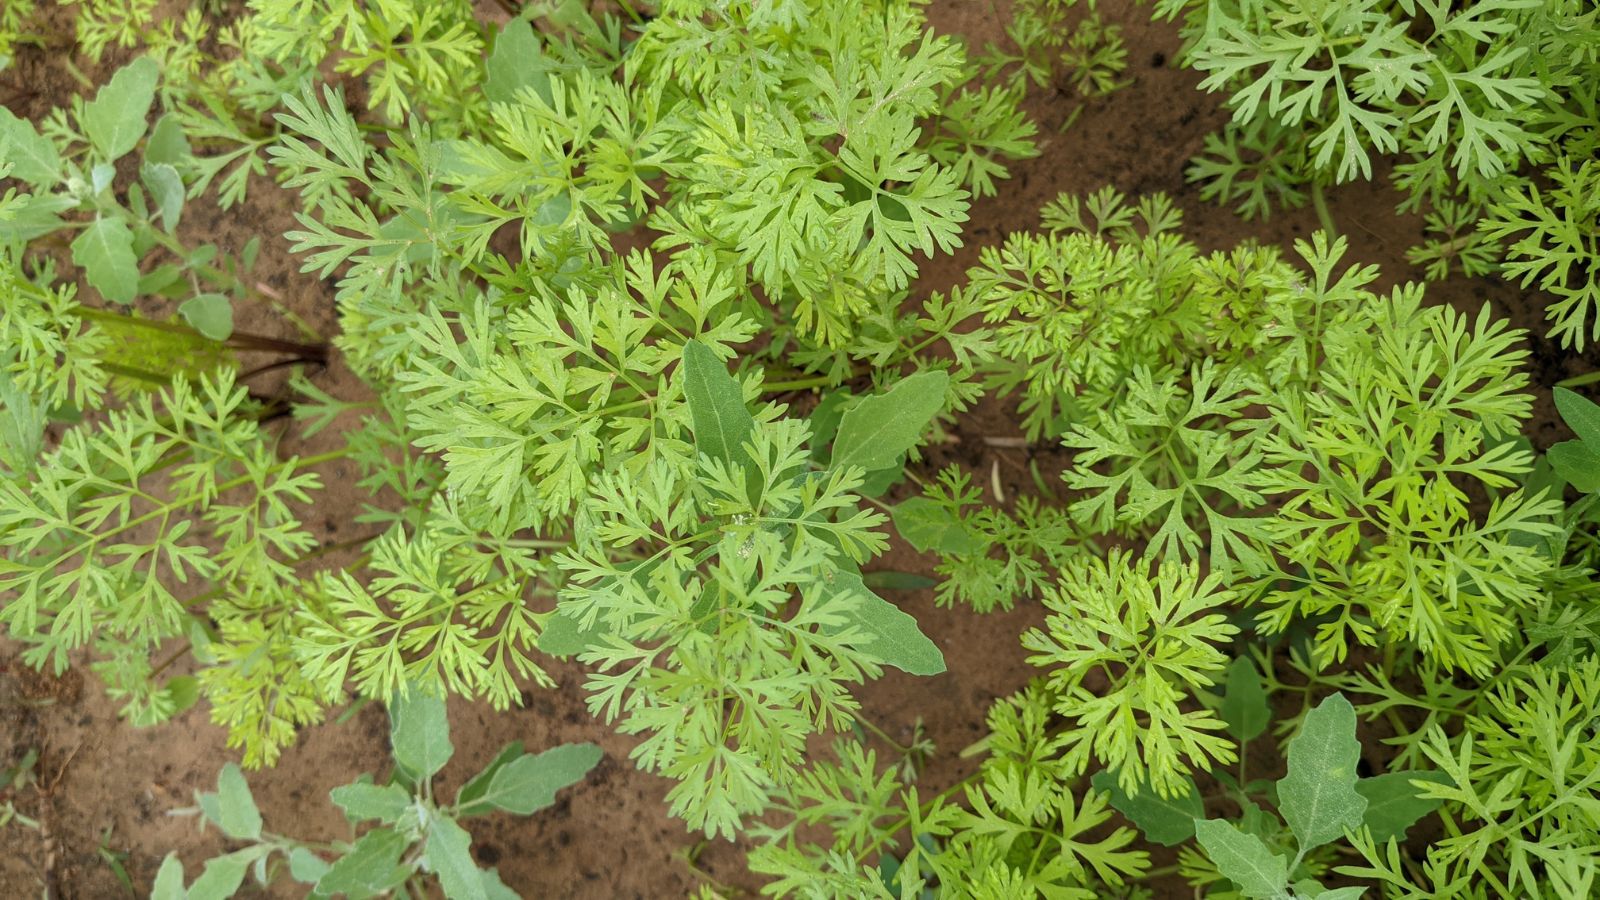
(103, 789)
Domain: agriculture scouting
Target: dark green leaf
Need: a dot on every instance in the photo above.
(183, 691)
(1578, 463)
(563, 636)
(1393, 804)
(517, 61)
(928, 525)
(721, 422)
(22, 423)
(824, 422)
(467, 798)
(897, 641)
(1581, 415)
(898, 581)
(875, 432)
(1165, 821)
(1244, 701)
(371, 867)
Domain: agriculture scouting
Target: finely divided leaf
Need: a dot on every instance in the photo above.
(1243, 858)
(529, 783)
(716, 405)
(1318, 796)
(115, 119)
(420, 733)
(1168, 821)
(875, 432)
(1244, 702)
(105, 251)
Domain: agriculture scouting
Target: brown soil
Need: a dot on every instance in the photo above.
(104, 788)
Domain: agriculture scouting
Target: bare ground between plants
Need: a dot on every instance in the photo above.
(103, 788)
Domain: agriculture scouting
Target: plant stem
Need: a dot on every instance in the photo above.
(798, 384)
(240, 340)
(1320, 203)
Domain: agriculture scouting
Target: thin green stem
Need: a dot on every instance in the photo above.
(1320, 203)
(798, 384)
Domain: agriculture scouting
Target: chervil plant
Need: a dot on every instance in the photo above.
(1487, 110)
(636, 377)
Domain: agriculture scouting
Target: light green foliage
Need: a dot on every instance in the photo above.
(1406, 394)
(52, 354)
(1024, 828)
(408, 831)
(1486, 106)
(120, 227)
(86, 502)
(548, 419)
(114, 537)
(633, 293)
(1516, 786)
(1153, 634)
(748, 563)
(1553, 242)
(14, 18)
(1173, 458)
(1318, 797)
(989, 558)
(1049, 46)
